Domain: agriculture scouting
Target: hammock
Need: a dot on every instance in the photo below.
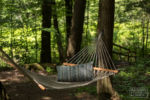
(102, 63)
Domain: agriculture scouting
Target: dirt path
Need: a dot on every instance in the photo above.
(20, 88)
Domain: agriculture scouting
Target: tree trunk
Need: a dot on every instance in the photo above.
(75, 38)
(26, 40)
(106, 22)
(58, 34)
(1, 28)
(35, 37)
(46, 39)
(105, 26)
(143, 31)
(1, 34)
(12, 30)
(68, 5)
(147, 36)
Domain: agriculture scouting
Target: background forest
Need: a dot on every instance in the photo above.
(37, 31)
(20, 28)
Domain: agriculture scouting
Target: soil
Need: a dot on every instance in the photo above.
(19, 87)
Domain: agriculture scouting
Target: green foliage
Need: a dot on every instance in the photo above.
(20, 36)
(49, 70)
(89, 89)
(20, 27)
(137, 75)
(133, 76)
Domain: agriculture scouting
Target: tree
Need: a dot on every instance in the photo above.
(12, 31)
(58, 34)
(147, 32)
(68, 7)
(75, 38)
(105, 26)
(143, 37)
(46, 40)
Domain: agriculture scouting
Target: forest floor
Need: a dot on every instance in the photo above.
(136, 76)
(19, 87)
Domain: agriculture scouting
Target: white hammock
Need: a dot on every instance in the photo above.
(102, 67)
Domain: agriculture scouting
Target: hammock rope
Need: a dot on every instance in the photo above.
(98, 54)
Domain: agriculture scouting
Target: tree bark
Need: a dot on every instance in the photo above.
(75, 38)
(143, 38)
(106, 22)
(147, 36)
(68, 5)
(12, 30)
(58, 34)
(46, 39)
(105, 26)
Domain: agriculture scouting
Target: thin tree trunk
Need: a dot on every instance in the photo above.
(105, 26)
(75, 38)
(35, 37)
(143, 31)
(46, 38)
(1, 28)
(87, 23)
(147, 32)
(58, 34)
(12, 31)
(26, 40)
(1, 33)
(68, 5)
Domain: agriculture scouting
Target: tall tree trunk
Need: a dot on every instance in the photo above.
(143, 31)
(35, 36)
(75, 38)
(26, 40)
(87, 22)
(1, 28)
(106, 22)
(105, 26)
(58, 34)
(1, 34)
(46, 38)
(12, 30)
(147, 32)
(68, 5)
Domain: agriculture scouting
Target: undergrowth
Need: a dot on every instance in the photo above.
(136, 76)
(133, 76)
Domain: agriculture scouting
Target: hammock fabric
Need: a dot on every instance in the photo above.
(102, 66)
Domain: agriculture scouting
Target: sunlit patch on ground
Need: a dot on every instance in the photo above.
(8, 77)
(46, 98)
(85, 96)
